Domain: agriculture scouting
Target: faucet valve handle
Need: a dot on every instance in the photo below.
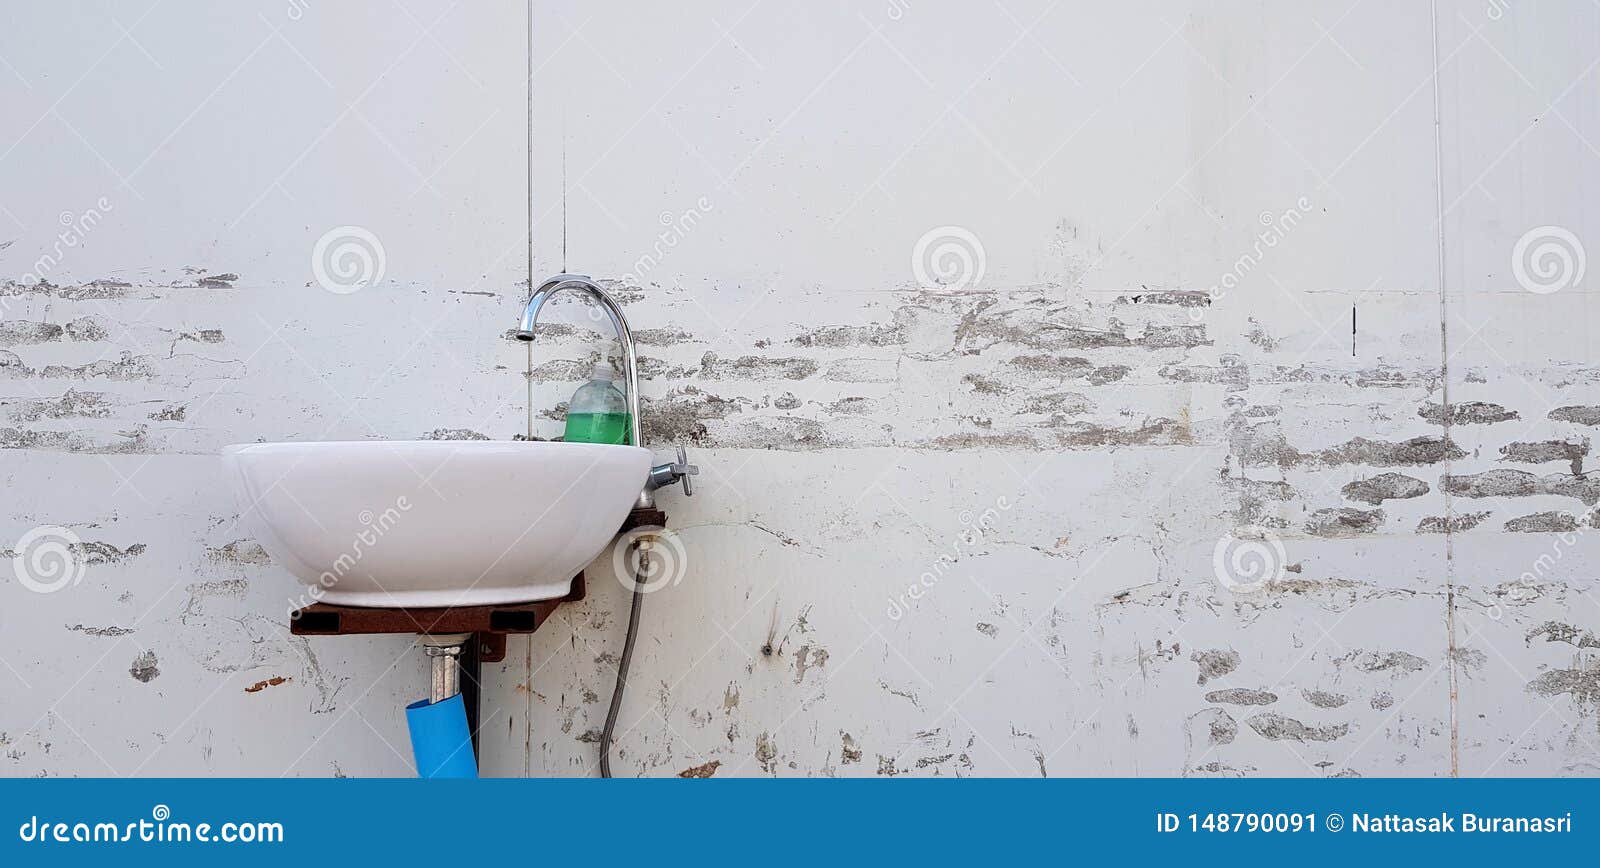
(685, 471)
(681, 470)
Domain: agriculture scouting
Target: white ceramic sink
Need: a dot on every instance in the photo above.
(435, 523)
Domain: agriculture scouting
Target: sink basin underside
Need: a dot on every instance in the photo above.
(435, 523)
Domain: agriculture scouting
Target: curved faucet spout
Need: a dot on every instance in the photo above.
(630, 365)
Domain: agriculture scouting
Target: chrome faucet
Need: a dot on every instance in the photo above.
(663, 474)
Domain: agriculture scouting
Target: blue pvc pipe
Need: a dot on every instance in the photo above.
(440, 741)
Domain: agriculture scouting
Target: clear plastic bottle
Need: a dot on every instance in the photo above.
(598, 412)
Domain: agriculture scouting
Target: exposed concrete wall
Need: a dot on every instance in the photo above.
(1245, 451)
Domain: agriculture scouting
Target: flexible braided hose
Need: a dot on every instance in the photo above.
(627, 658)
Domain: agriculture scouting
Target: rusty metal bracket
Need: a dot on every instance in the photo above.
(489, 624)
(643, 517)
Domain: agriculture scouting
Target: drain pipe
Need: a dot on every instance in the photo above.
(445, 668)
(441, 740)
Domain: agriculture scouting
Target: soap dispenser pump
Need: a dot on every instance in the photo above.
(598, 411)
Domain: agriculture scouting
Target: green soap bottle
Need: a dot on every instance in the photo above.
(598, 412)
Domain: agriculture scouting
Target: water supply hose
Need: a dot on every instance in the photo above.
(627, 657)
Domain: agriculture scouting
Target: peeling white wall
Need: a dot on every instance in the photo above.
(1134, 387)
